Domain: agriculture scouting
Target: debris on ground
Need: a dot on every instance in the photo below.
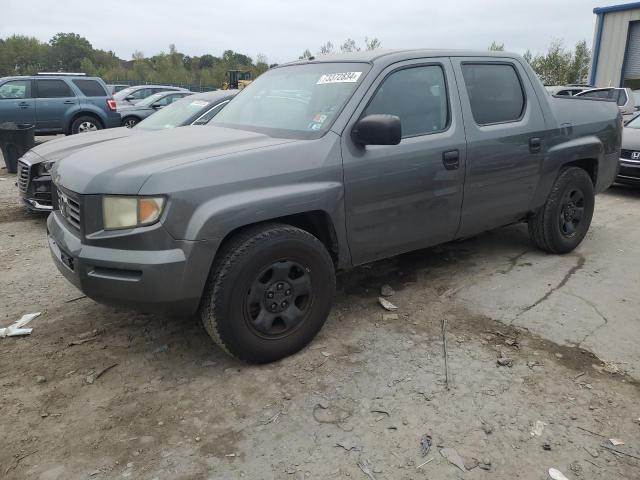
(538, 428)
(386, 304)
(533, 364)
(487, 428)
(504, 361)
(94, 376)
(365, 466)
(387, 291)
(555, 474)
(546, 447)
(623, 451)
(40, 379)
(512, 342)
(591, 451)
(453, 457)
(612, 368)
(616, 441)
(424, 463)
(349, 442)
(485, 464)
(471, 463)
(425, 444)
(390, 316)
(446, 355)
(15, 329)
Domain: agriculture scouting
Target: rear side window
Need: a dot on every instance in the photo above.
(90, 88)
(495, 92)
(622, 98)
(15, 89)
(418, 96)
(53, 89)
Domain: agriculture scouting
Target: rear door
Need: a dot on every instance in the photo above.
(505, 142)
(94, 93)
(53, 98)
(16, 102)
(403, 197)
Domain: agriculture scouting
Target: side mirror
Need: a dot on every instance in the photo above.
(377, 129)
(157, 106)
(130, 98)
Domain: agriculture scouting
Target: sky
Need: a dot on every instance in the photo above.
(283, 29)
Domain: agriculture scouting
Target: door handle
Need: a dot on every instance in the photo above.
(535, 144)
(68, 102)
(23, 105)
(451, 159)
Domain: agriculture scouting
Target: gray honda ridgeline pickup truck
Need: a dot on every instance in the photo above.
(321, 165)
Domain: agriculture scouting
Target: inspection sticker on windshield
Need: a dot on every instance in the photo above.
(343, 77)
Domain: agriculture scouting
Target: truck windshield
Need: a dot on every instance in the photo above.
(298, 101)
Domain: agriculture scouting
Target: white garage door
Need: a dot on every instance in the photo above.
(632, 56)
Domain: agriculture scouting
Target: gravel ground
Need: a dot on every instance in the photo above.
(357, 402)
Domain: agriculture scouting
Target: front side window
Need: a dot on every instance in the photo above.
(495, 92)
(206, 118)
(622, 98)
(418, 96)
(606, 94)
(297, 101)
(53, 89)
(15, 89)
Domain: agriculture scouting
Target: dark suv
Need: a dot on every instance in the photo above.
(58, 103)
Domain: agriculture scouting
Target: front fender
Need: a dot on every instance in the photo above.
(216, 218)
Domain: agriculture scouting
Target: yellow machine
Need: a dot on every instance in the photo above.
(237, 79)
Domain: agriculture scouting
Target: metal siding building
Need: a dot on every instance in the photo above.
(616, 46)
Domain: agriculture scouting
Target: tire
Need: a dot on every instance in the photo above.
(130, 122)
(269, 292)
(563, 221)
(85, 123)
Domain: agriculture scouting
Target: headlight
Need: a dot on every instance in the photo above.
(127, 212)
(44, 168)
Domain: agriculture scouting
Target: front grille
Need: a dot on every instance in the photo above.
(23, 176)
(69, 206)
(627, 154)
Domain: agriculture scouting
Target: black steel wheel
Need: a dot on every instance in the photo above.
(269, 292)
(563, 221)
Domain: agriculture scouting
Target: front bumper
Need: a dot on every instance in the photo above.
(629, 171)
(170, 280)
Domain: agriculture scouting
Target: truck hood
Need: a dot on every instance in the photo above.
(59, 148)
(631, 138)
(122, 166)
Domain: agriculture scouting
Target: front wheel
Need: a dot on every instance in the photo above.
(130, 122)
(269, 292)
(563, 221)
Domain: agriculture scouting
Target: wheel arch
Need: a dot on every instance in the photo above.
(83, 113)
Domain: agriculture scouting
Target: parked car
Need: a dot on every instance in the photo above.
(629, 172)
(58, 103)
(322, 165)
(132, 95)
(569, 90)
(116, 87)
(623, 96)
(34, 168)
(133, 114)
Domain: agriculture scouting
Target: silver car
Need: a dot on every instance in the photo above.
(133, 114)
(132, 95)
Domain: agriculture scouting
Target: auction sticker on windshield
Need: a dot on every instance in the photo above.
(342, 77)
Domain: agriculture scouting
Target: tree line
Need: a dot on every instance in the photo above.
(70, 52)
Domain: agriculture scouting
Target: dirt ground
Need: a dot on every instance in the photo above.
(357, 402)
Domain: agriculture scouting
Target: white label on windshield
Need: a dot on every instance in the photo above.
(343, 77)
(199, 103)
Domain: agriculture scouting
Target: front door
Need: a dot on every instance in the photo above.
(16, 102)
(53, 99)
(407, 196)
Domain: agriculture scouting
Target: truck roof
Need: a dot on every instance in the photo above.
(390, 56)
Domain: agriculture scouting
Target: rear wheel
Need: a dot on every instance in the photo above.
(269, 292)
(84, 124)
(130, 122)
(563, 221)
